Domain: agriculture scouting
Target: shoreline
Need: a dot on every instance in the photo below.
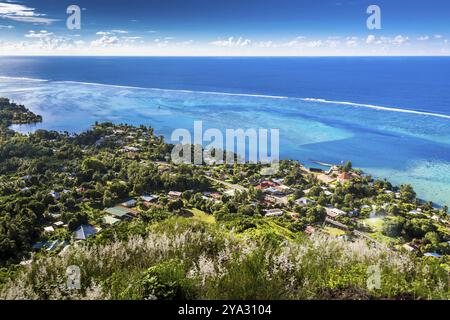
(123, 174)
(401, 173)
(323, 164)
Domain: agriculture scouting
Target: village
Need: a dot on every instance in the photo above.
(112, 197)
(339, 201)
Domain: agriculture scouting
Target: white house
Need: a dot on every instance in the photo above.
(304, 201)
(55, 194)
(58, 224)
(273, 212)
(129, 204)
(130, 149)
(230, 192)
(174, 194)
(335, 212)
(149, 198)
(49, 229)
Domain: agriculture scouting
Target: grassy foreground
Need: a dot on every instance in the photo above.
(183, 258)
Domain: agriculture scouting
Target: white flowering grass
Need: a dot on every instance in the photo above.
(210, 263)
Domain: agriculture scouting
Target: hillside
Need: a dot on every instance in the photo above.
(184, 259)
(138, 226)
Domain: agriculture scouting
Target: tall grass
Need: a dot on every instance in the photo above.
(181, 259)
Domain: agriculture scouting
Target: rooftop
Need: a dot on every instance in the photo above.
(84, 231)
(118, 211)
(110, 220)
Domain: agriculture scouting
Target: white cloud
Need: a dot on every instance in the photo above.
(41, 41)
(292, 43)
(112, 32)
(6, 27)
(231, 42)
(351, 43)
(130, 39)
(38, 34)
(119, 31)
(112, 38)
(423, 38)
(438, 36)
(313, 44)
(370, 39)
(22, 13)
(264, 44)
(332, 43)
(187, 43)
(105, 41)
(15, 9)
(399, 40)
(111, 42)
(298, 43)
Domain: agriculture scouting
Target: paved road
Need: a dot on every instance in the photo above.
(229, 185)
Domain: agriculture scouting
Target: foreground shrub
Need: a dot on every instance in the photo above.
(183, 259)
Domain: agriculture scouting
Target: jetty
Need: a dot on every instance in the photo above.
(322, 163)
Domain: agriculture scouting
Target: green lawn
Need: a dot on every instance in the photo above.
(201, 216)
(375, 223)
(384, 239)
(279, 229)
(334, 231)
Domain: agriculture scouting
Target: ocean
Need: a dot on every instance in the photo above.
(389, 115)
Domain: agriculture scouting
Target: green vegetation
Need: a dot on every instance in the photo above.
(184, 259)
(166, 231)
(11, 113)
(334, 231)
(201, 216)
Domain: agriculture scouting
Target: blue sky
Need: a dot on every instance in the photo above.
(232, 27)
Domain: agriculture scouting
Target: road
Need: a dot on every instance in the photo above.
(228, 185)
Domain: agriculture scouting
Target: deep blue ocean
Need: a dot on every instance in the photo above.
(390, 116)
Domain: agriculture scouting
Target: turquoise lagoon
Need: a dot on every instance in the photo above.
(404, 146)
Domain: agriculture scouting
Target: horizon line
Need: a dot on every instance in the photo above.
(223, 56)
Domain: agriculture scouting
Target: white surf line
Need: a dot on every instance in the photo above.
(23, 78)
(179, 90)
(318, 100)
(371, 106)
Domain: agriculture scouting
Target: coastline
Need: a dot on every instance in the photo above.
(118, 182)
(310, 167)
(315, 142)
(321, 115)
